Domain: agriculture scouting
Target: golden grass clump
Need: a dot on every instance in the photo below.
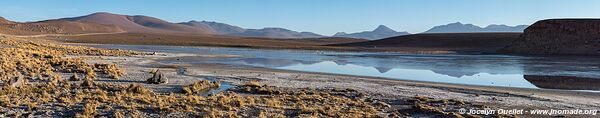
(111, 69)
(37, 60)
(200, 86)
(139, 89)
(132, 100)
(89, 109)
(252, 84)
(258, 88)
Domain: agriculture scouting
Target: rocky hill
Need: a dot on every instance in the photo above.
(559, 36)
(219, 28)
(139, 23)
(231, 30)
(54, 27)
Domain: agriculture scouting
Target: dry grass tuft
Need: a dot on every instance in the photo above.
(252, 84)
(200, 86)
(89, 109)
(139, 89)
(38, 60)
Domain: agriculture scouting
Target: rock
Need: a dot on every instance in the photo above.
(158, 78)
(559, 36)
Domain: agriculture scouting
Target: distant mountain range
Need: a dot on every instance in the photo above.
(382, 31)
(138, 23)
(276, 33)
(146, 24)
(230, 30)
(466, 28)
(218, 28)
(103, 22)
(379, 33)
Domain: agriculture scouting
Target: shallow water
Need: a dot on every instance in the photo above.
(487, 70)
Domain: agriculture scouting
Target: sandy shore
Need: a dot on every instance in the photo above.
(388, 90)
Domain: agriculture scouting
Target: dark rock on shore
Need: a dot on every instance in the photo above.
(158, 78)
(559, 36)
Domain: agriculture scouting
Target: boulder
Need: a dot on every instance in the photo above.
(158, 78)
(559, 36)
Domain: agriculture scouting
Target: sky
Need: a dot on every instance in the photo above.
(320, 16)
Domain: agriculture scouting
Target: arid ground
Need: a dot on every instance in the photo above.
(43, 78)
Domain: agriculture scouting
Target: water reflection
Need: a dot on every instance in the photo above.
(454, 73)
(488, 70)
(265, 62)
(510, 80)
(382, 69)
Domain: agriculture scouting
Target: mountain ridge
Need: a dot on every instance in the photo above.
(267, 32)
(459, 27)
(380, 32)
(54, 27)
(219, 28)
(275, 32)
(5, 21)
(147, 24)
(138, 23)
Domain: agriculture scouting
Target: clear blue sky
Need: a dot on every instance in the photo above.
(320, 16)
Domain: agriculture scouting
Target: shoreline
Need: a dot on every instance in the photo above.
(523, 92)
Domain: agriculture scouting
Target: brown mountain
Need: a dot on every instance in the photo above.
(54, 27)
(559, 36)
(139, 24)
(472, 42)
(230, 30)
(216, 27)
(279, 33)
